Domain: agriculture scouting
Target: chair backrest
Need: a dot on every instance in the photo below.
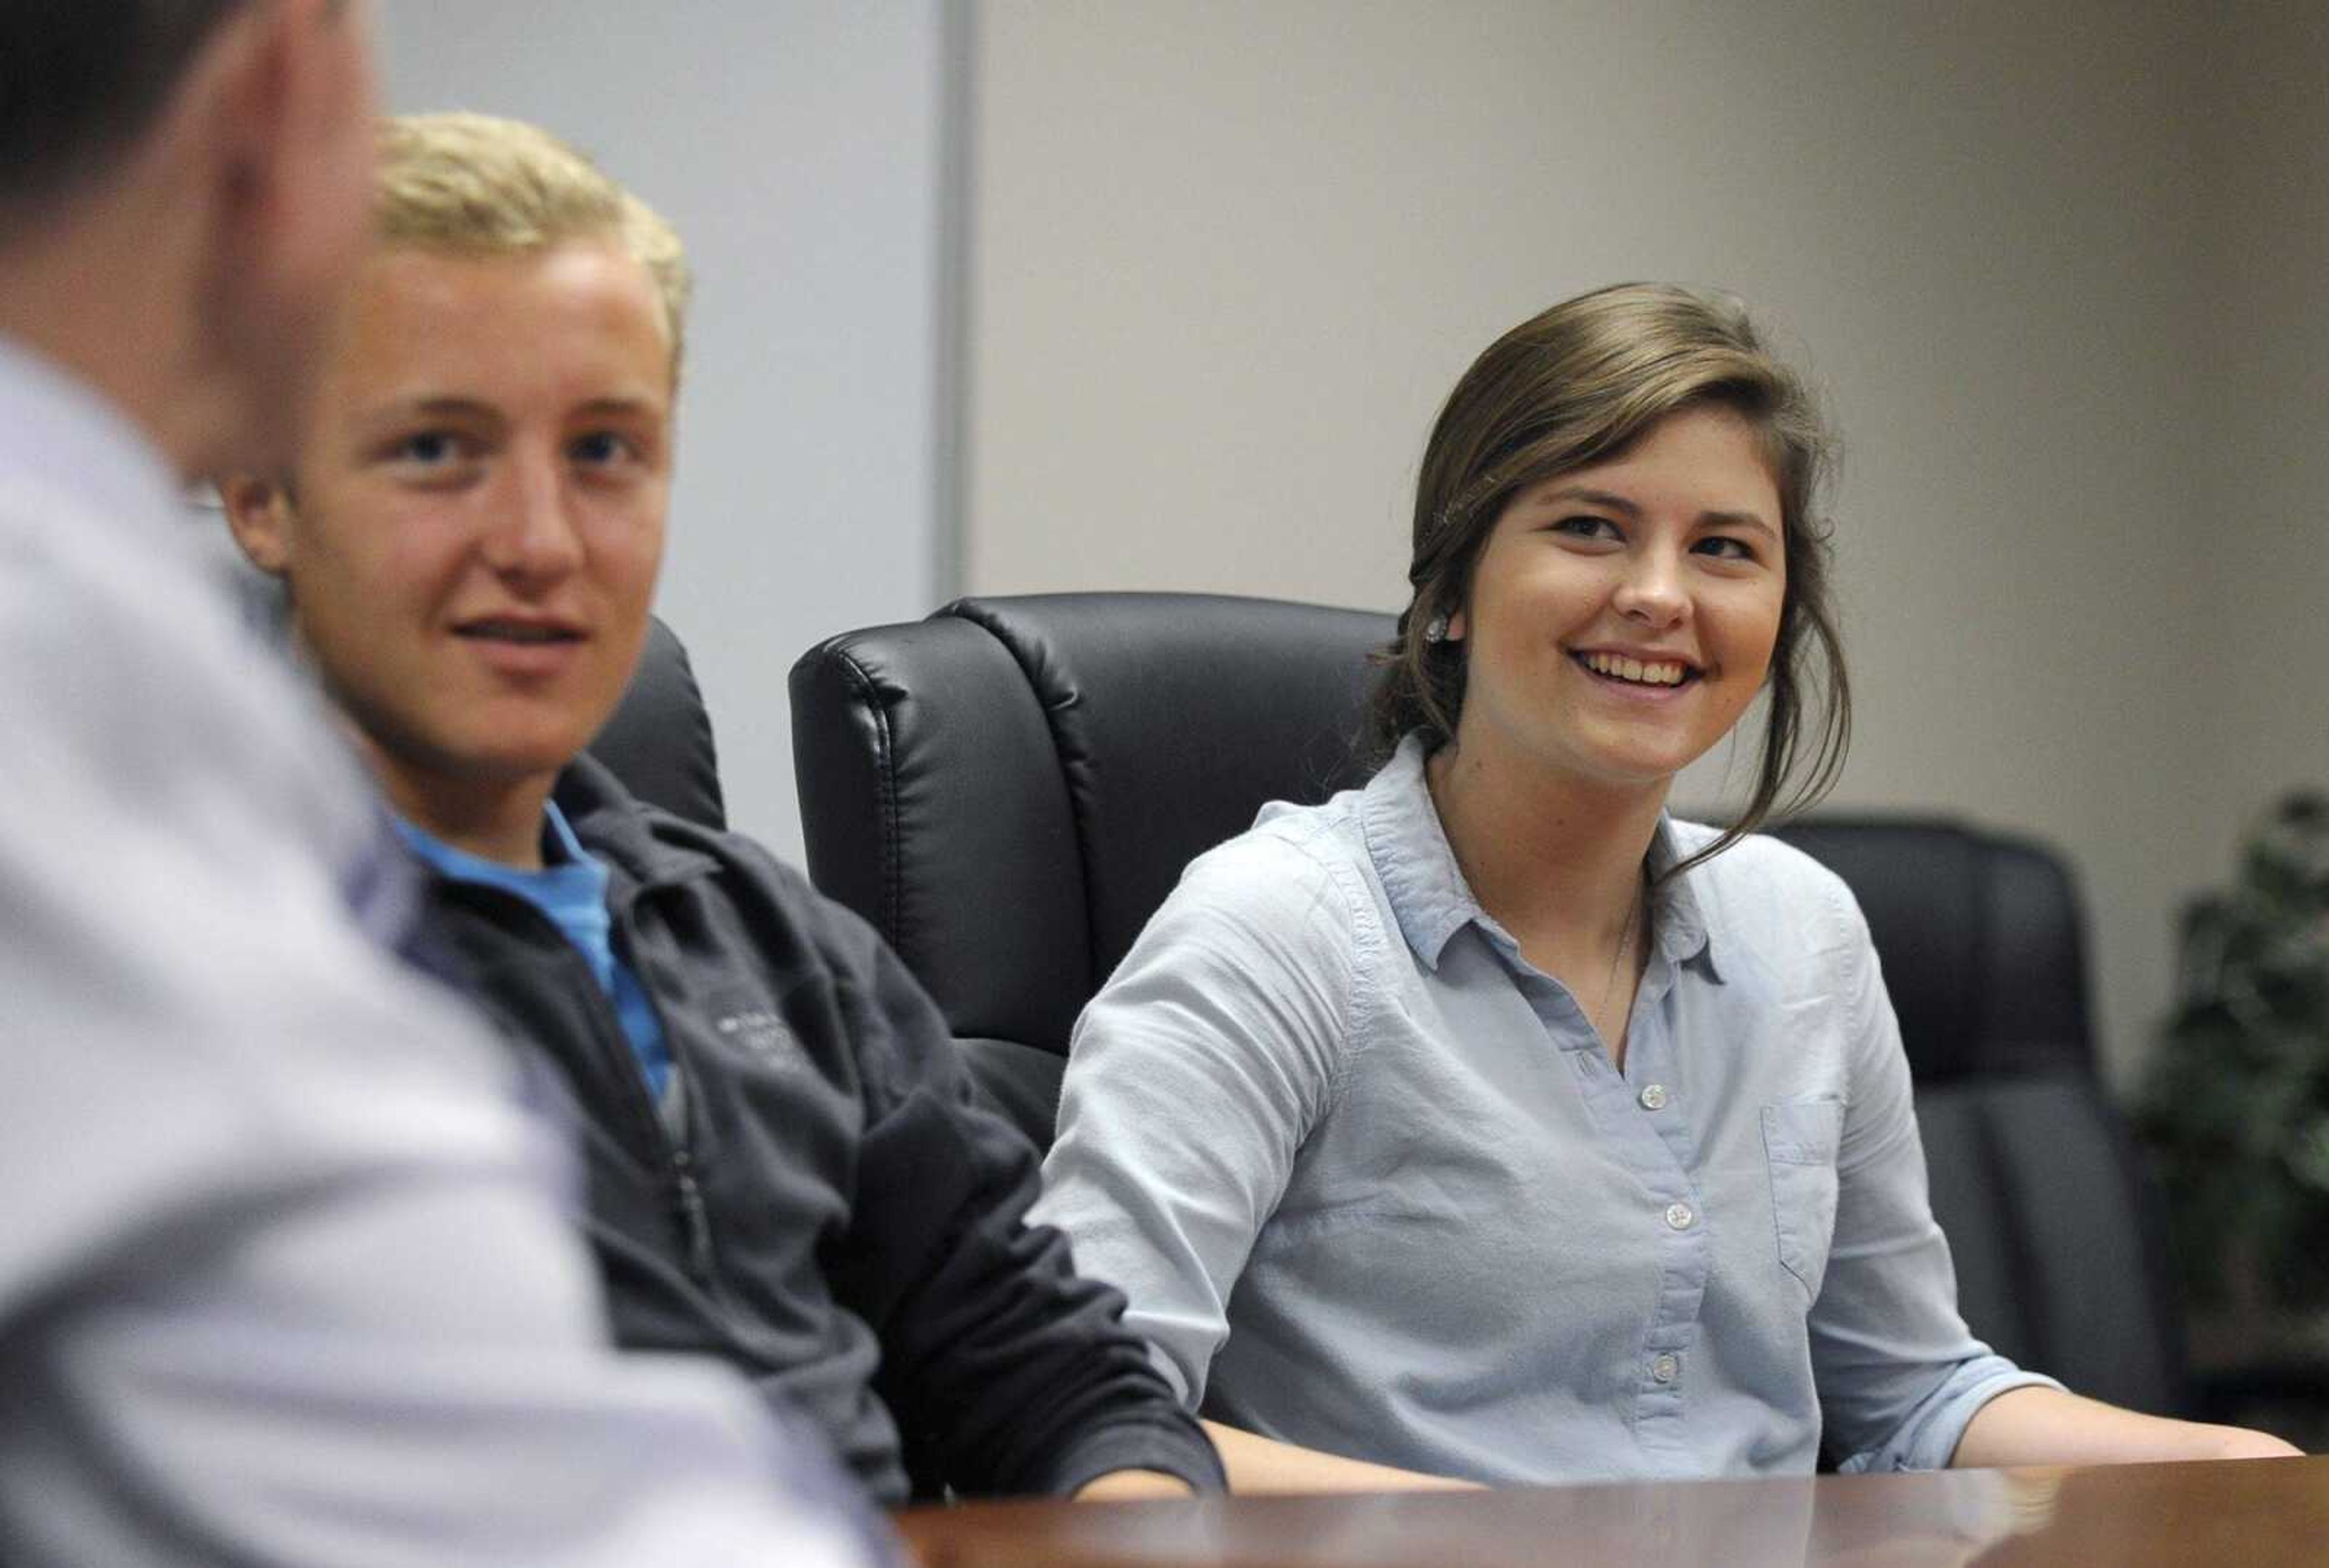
(2058, 1233)
(1008, 790)
(2052, 1218)
(659, 740)
(1982, 942)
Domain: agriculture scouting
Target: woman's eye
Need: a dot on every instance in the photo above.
(1587, 527)
(1724, 548)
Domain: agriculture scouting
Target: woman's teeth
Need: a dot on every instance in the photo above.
(1658, 673)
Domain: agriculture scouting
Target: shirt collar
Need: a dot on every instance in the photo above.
(570, 851)
(1410, 849)
(1677, 922)
(563, 860)
(1431, 898)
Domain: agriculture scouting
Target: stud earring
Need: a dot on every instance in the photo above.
(1436, 630)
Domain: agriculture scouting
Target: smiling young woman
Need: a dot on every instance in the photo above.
(1621, 619)
(1489, 1122)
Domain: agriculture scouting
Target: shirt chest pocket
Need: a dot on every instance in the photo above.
(1800, 1137)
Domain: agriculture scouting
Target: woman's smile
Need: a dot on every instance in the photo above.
(1656, 578)
(1646, 670)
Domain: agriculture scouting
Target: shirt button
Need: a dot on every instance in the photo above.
(1666, 1369)
(1680, 1215)
(1653, 1097)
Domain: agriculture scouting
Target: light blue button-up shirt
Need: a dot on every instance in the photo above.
(1373, 1186)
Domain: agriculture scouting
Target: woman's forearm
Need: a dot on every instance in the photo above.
(1260, 1464)
(2045, 1426)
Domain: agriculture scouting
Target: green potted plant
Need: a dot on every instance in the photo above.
(2236, 1106)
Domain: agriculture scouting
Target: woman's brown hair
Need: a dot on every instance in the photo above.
(1577, 385)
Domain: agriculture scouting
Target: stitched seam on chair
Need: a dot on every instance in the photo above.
(711, 751)
(885, 780)
(972, 612)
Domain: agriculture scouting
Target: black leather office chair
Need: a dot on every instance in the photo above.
(1009, 789)
(2052, 1219)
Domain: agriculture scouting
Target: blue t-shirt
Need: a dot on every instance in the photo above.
(570, 889)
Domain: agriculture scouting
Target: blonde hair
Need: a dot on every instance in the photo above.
(475, 185)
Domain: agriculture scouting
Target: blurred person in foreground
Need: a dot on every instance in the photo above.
(787, 1170)
(283, 1278)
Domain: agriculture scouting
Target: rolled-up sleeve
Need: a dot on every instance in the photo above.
(1900, 1375)
(1192, 1080)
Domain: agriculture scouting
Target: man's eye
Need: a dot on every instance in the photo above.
(426, 448)
(601, 446)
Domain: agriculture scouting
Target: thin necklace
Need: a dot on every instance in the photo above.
(1625, 946)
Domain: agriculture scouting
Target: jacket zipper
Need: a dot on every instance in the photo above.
(688, 1209)
(679, 1155)
(694, 1220)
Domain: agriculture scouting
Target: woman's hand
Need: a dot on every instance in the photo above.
(2237, 1442)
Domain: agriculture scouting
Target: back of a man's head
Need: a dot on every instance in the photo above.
(81, 79)
(183, 187)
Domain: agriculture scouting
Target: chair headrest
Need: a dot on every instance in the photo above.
(659, 740)
(1008, 790)
(1980, 936)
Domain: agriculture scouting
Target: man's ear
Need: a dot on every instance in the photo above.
(295, 102)
(283, 130)
(258, 513)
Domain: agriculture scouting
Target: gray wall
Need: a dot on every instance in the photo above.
(2049, 262)
(2259, 518)
(796, 145)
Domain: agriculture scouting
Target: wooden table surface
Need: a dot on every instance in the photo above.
(2261, 1514)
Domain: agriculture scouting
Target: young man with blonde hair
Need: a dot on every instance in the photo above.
(786, 1169)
